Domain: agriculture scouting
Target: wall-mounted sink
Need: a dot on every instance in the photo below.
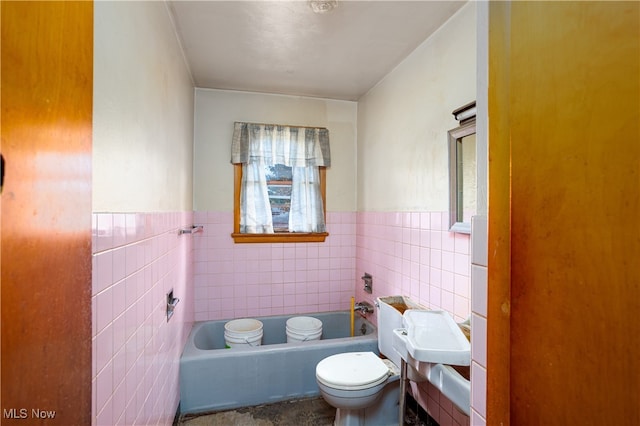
(434, 347)
(434, 337)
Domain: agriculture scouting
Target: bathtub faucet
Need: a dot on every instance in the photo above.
(363, 307)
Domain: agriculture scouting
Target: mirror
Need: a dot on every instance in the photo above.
(462, 170)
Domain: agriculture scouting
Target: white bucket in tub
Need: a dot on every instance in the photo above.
(303, 329)
(243, 332)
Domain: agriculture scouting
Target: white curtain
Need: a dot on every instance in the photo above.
(307, 211)
(302, 148)
(255, 209)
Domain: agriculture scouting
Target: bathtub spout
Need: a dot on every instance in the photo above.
(363, 307)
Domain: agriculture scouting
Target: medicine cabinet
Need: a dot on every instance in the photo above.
(462, 170)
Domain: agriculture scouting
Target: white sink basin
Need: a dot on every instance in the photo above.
(434, 337)
(455, 387)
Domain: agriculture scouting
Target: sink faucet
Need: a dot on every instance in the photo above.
(363, 307)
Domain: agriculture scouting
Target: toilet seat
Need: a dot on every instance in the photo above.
(352, 371)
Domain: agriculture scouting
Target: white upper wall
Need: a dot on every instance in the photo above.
(389, 150)
(143, 111)
(403, 121)
(217, 110)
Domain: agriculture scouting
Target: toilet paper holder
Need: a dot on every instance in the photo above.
(171, 304)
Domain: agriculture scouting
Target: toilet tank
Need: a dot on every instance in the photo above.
(390, 310)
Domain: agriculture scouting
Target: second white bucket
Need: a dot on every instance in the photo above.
(243, 332)
(303, 329)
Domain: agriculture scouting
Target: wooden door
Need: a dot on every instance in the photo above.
(564, 213)
(47, 85)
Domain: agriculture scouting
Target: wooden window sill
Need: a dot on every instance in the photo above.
(297, 237)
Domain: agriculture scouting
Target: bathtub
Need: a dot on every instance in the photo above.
(214, 378)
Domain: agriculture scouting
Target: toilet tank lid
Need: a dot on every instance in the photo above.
(352, 370)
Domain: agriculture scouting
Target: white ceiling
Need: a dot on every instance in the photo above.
(283, 47)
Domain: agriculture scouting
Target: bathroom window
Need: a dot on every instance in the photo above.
(280, 183)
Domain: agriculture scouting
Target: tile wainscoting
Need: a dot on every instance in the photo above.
(137, 259)
(409, 253)
(414, 254)
(239, 280)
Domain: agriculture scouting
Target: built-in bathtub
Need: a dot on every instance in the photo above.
(215, 378)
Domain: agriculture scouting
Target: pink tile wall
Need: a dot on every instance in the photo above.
(137, 259)
(408, 253)
(239, 280)
(414, 254)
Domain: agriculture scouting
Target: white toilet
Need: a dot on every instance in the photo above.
(364, 388)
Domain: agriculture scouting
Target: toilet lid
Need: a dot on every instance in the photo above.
(352, 370)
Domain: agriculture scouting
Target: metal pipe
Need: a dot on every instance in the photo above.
(403, 391)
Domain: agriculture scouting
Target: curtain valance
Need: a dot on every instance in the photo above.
(275, 144)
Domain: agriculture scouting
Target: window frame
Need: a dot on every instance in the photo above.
(276, 237)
